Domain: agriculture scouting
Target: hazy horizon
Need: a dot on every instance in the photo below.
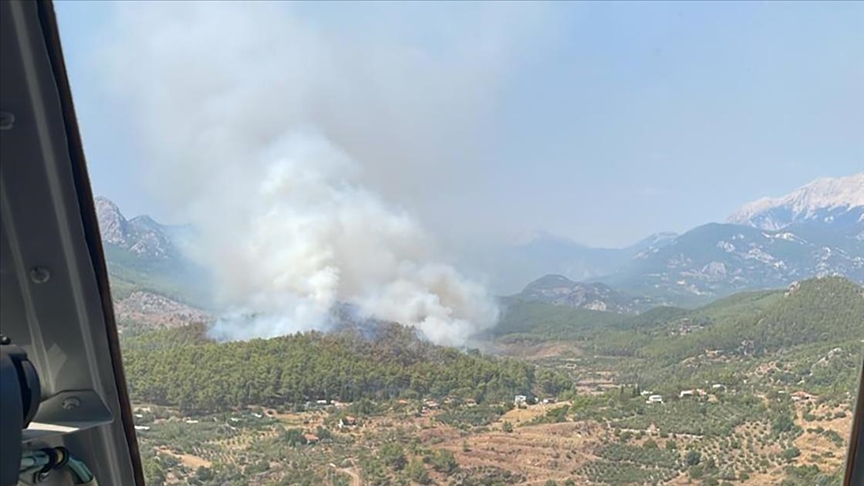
(601, 123)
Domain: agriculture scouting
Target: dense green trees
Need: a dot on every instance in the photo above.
(816, 325)
(201, 375)
(818, 310)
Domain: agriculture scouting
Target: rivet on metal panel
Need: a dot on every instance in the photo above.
(39, 275)
(71, 403)
(7, 120)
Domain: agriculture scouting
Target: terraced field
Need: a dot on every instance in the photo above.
(673, 444)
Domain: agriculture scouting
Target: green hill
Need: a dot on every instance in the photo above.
(183, 368)
(816, 310)
(823, 310)
(817, 321)
(542, 321)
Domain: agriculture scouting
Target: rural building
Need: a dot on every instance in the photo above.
(348, 421)
(654, 399)
(520, 400)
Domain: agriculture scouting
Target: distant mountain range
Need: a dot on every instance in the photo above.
(145, 256)
(140, 235)
(838, 201)
(559, 290)
(817, 230)
(545, 253)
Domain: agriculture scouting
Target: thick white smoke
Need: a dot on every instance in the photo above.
(252, 121)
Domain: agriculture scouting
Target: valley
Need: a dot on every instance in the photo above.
(598, 409)
(725, 355)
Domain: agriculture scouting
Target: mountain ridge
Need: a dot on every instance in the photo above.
(825, 199)
(144, 255)
(559, 290)
(820, 232)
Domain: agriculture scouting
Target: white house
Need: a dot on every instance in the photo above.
(520, 400)
(654, 399)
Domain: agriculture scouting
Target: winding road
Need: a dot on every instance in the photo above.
(355, 478)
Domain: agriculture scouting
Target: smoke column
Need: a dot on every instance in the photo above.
(244, 111)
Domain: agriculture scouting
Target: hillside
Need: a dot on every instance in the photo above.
(346, 366)
(559, 290)
(825, 310)
(543, 321)
(715, 260)
(429, 414)
(829, 309)
(145, 256)
(153, 284)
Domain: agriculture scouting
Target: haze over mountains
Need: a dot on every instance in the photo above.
(817, 230)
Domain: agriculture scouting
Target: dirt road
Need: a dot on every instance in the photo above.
(355, 478)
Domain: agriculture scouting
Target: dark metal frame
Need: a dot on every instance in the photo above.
(855, 457)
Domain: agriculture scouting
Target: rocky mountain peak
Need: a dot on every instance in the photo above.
(112, 225)
(824, 200)
(141, 235)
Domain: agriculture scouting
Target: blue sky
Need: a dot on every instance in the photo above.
(604, 122)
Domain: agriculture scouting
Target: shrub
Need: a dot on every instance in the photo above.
(444, 462)
(791, 454)
(417, 472)
(693, 458)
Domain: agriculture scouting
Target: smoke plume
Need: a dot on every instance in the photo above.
(266, 132)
